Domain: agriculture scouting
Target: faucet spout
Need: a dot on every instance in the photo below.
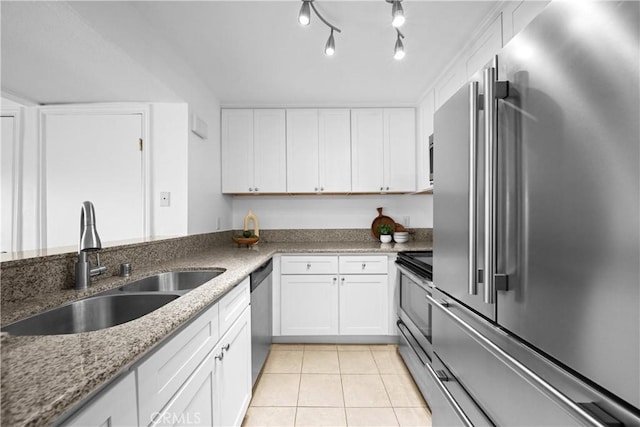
(89, 242)
(89, 239)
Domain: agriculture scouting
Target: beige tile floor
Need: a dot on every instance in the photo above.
(336, 385)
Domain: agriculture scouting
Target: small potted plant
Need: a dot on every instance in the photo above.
(385, 230)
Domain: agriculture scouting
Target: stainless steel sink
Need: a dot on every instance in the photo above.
(172, 282)
(90, 314)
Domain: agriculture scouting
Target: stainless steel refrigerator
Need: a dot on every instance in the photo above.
(537, 227)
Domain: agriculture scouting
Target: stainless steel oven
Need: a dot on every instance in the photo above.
(415, 312)
(415, 315)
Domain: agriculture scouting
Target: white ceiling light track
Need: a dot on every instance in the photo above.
(397, 20)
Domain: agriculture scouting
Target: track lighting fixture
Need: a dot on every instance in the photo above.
(397, 14)
(304, 18)
(330, 47)
(398, 50)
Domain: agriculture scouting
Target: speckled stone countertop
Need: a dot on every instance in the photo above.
(45, 377)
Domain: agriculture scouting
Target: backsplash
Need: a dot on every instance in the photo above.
(31, 277)
(34, 277)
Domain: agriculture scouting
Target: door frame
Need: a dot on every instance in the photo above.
(16, 184)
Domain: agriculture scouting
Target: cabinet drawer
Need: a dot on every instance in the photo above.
(166, 370)
(232, 305)
(309, 264)
(366, 264)
(115, 406)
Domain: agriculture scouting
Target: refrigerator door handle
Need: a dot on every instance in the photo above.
(464, 419)
(473, 189)
(493, 90)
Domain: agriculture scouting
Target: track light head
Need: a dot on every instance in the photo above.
(304, 17)
(330, 47)
(398, 50)
(397, 14)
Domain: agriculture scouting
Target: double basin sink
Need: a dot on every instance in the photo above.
(113, 307)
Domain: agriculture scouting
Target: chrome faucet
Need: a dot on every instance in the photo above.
(89, 242)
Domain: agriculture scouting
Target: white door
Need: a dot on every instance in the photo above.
(270, 151)
(302, 151)
(93, 157)
(364, 304)
(237, 151)
(7, 189)
(233, 372)
(309, 305)
(334, 137)
(400, 149)
(367, 141)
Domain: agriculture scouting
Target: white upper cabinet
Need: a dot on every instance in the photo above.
(318, 151)
(334, 147)
(302, 151)
(367, 145)
(383, 150)
(253, 151)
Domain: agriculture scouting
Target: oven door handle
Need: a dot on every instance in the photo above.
(553, 393)
(425, 284)
(413, 343)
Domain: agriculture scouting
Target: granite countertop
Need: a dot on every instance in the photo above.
(43, 377)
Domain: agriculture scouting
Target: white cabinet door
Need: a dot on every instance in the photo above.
(302, 151)
(400, 149)
(167, 369)
(309, 305)
(383, 150)
(367, 143)
(233, 372)
(193, 404)
(364, 304)
(237, 151)
(334, 137)
(253, 151)
(113, 407)
(269, 150)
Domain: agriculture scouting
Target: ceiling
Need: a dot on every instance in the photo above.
(250, 53)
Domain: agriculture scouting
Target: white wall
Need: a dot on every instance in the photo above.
(355, 211)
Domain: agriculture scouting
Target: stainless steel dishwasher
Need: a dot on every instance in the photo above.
(261, 317)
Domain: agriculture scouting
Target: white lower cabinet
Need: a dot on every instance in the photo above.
(309, 304)
(219, 391)
(115, 406)
(192, 379)
(364, 304)
(192, 405)
(233, 373)
(352, 298)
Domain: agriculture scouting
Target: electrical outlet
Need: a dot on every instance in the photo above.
(165, 199)
(406, 221)
(218, 223)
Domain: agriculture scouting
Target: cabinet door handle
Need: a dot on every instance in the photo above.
(315, 189)
(256, 189)
(342, 281)
(250, 189)
(321, 188)
(219, 356)
(387, 188)
(308, 266)
(364, 265)
(381, 188)
(226, 347)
